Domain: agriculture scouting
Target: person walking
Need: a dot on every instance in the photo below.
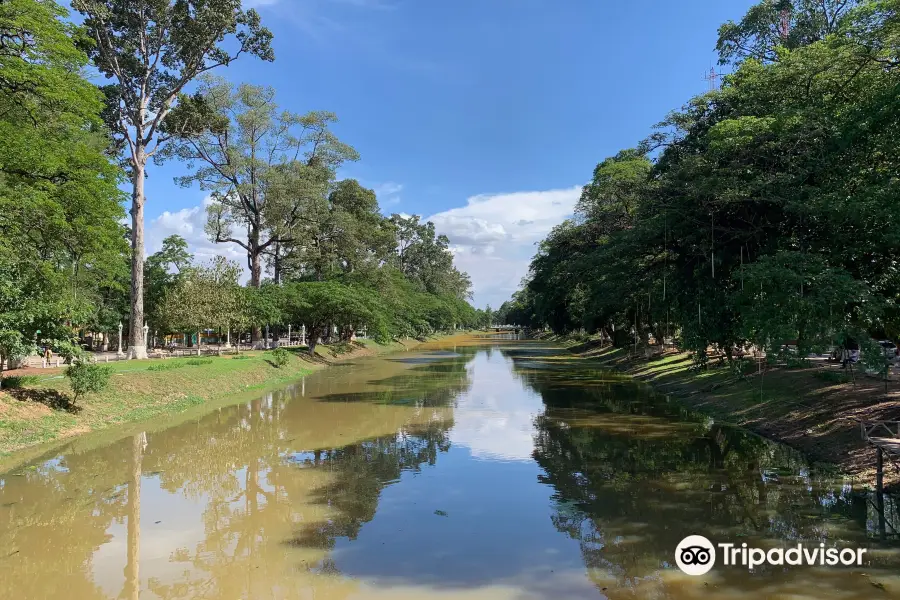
(47, 355)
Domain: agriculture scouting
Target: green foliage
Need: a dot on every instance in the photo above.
(205, 296)
(68, 350)
(167, 366)
(12, 346)
(268, 170)
(88, 378)
(197, 362)
(762, 213)
(62, 249)
(280, 357)
(18, 381)
(149, 52)
(320, 305)
(423, 257)
(159, 277)
(180, 364)
(240, 357)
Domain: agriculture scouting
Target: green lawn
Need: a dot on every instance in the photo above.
(43, 412)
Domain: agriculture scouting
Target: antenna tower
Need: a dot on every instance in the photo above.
(712, 78)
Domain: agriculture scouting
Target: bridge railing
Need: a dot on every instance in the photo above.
(890, 429)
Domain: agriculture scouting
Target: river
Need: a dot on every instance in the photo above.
(476, 469)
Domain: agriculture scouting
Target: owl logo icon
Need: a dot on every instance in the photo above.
(695, 555)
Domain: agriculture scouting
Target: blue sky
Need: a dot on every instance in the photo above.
(484, 115)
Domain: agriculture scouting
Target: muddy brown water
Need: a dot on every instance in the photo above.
(480, 469)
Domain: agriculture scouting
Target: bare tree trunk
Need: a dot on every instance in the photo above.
(255, 281)
(138, 345)
(276, 264)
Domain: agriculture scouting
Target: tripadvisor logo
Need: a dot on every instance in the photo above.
(696, 555)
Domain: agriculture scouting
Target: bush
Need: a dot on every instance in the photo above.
(196, 362)
(240, 357)
(280, 357)
(166, 366)
(69, 351)
(86, 378)
(18, 381)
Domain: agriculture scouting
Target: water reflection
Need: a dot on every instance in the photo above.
(501, 471)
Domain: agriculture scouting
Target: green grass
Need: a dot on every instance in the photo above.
(137, 391)
(140, 391)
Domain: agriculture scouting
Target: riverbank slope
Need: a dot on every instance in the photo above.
(41, 411)
(814, 409)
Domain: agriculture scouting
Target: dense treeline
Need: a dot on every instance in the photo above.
(319, 251)
(762, 212)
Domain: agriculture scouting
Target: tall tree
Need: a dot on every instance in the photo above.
(151, 50)
(788, 24)
(265, 168)
(346, 234)
(425, 258)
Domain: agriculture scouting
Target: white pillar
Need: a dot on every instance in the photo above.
(146, 329)
(228, 338)
(119, 353)
(289, 335)
(303, 334)
(198, 343)
(266, 344)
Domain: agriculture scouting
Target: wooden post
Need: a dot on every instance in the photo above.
(879, 470)
(879, 490)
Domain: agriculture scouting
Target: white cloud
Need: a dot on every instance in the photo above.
(495, 418)
(493, 237)
(188, 223)
(388, 194)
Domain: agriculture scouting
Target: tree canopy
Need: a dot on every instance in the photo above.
(762, 212)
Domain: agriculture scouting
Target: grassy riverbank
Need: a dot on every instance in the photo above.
(815, 409)
(41, 411)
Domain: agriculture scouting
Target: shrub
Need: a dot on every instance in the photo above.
(196, 362)
(240, 357)
(18, 381)
(280, 357)
(166, 366)
(69, 351)
(86, 378)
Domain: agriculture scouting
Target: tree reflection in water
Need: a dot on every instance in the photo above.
(277, 480)
(633, 474)
(263, 493)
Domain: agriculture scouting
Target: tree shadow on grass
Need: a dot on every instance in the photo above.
(50, 398)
